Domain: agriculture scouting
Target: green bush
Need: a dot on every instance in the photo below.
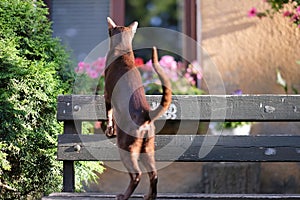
(35, 68)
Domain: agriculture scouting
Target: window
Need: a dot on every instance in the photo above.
(158, 14)
(81, 25)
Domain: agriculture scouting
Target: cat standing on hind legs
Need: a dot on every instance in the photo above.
(128, 112)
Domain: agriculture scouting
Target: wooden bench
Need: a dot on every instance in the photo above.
(187, 111)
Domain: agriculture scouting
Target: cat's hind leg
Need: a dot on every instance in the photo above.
(129, 153)
(148, 160)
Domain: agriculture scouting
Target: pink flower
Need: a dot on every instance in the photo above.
(295, 18)
(97, 125)
(298, 9)
(173, 75)
(199, 75)
(81, 64)
(147, 67)
(180, 66)
(168, 62)
(196, 69)
(196, 64)
(80, 68)
(99, 64)
(92, 70)
(187, 76)
(190, 78)
(287, 14)
(252, 12)
(92, 73)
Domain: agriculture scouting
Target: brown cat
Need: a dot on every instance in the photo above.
(128, 112)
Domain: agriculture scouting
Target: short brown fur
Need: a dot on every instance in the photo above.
(128, 112)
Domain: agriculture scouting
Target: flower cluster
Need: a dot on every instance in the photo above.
(175, 69)
(183, 77)
(288, 8)
(93, 70)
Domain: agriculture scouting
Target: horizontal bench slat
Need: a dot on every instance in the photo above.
(189, 148)
(80, 196)
(191, 107)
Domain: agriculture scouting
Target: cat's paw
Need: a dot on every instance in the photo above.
(110, 132)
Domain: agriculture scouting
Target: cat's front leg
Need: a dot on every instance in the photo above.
(110, 129)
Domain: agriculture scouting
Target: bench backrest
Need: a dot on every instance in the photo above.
(186, 109)
(193, 107)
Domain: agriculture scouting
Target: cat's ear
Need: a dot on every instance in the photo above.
(111, 23)
(134, 26)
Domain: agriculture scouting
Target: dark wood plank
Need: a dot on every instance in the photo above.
(189, 148)
(189, 107)
(68, 176)
(81, 196)
(73, 127)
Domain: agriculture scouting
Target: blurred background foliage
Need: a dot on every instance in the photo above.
(153, 13)
(156, 13)
(34, 70)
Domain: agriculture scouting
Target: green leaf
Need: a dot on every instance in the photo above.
(295, 90)
(35, 68)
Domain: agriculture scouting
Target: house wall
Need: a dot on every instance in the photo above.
(247, 51)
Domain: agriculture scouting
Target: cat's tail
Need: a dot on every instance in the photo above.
(166, 86)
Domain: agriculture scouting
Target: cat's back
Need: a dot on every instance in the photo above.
(122, 77)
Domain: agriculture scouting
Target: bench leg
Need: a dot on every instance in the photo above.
(70, 127)
(68, 176)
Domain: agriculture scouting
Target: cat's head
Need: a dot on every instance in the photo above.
(121, 36)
